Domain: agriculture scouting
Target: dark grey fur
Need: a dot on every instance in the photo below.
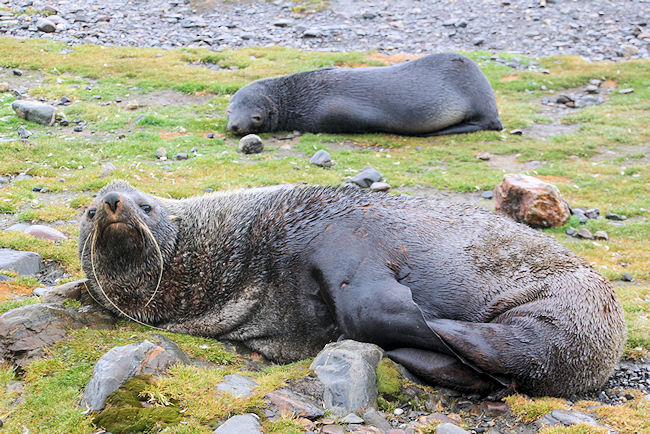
(286, 270)
(437, 94)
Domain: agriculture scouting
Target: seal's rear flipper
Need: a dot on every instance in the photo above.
(443, 370)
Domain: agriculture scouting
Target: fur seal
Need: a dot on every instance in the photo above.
(462, 297)
(437, 94)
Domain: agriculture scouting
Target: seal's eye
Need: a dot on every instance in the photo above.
(146, 208)
(256, 118)
(91, 214)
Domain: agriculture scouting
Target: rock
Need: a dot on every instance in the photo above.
(161, 153)
(601, 235)
(584, 233)
(132, 105)
(23, 133)
(237, 385)
(450, 428)
(45, 233)
(485, 156)
(286, 401)
(616, 217)
(251, 144)
(352, 418)
(241, 424)
(45, 25)
(367, 176)
(626, 91)
(532, 201)
(107, 170)
(593, 213)
(181, 156)
(625, 277)
(493, 408)
(18, 227)
(17, 72)
(321, 158)
(281, 23)
(374, 418)
(517, 132)
(348, 371)
(34, 111)
(487, 194)
(59, 294)
(78, 128)
(64, 100)
(121, 363)
(379, 186)
(23, 263)
(567, 418)
(27, 330)
(591, 89)
(571, 232)
(4, 87)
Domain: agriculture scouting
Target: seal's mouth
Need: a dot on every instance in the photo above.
(118, 227)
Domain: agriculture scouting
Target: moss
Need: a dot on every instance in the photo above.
(581, 428)
(529, 410)
(389, 378)
(125, 413)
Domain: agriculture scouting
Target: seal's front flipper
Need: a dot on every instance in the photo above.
(467, 127)
(443, 370)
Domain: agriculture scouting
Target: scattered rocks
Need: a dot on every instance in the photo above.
(530, 200)
(585, 234)
(45, 25)
(23, 263)
(567, 418)
(26, 331)
(124, 362)
(34, 111)
(625, 277)
(285, 401)
(348, 371)
(379, 186)
(241, 424)
(251, 144)
(601, 235)
(321, 158)
(367, 177)
(45, 233)
(237, 385)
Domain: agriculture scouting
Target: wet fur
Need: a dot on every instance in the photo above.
(287, 270)
(437, 94)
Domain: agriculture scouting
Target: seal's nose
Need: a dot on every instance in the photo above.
(234, 128)
(112, 200)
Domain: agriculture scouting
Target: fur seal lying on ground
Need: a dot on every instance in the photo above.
(437, 94)
(462, 297)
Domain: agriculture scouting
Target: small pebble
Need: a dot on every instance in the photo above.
(487, 194)
(18, 72)
(626, 91)
(398, 411)
(181, 156)
(601, 235)
(571, 232)
(78, 128)
(379, 186)
(251, 144)
(517, 132)
(626, 277)
(616, 217)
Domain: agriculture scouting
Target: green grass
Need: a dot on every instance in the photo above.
(69, 164)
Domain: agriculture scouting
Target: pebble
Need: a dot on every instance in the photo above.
(181, 156)
(367, 177)
(379, 186)
(321, 158)
(107, 170)
(585, 234)
(23, 133)
(626, 277)
(601, 235)
(78, 128)
(616, 217)
(161, 153)
(17, 72)
(4, 87)
(352, 418)
(571, 232)
(45, 25)
(517, 132)
(487, 194)
(483, 156)
(591, 89)
(251, 144)
(626, 91)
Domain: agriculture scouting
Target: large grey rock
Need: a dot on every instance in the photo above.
(58, 294)
(18, 227)
(321, 158)
(27, 330)
(240, 424)
(34, 111)
(121, 363)
(348, 371)
(237, 385)
(367, 177)
(450, 428)
(23, 263)
(285, 401)
(567, 418)
(45, 233)
(45, 25)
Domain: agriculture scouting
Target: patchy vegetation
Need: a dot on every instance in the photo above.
(169, 99)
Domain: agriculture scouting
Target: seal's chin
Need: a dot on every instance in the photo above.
(120, 237)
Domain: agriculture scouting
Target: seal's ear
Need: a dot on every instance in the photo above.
(174, 218)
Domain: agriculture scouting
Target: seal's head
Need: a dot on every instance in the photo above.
(125, 240)
(251, 110)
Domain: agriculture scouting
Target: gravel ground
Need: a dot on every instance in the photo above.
(596, 29)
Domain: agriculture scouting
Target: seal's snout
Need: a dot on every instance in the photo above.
(111, 201)
(234, 128)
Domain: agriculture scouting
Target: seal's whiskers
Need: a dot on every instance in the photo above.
(146, 230)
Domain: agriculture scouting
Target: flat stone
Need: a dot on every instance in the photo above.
(34, 111)
(45, 233)
(585, 233)
(450, 428)
(332, 429)
(18, 227)
(45, 25)
(352, 418)
(372, 417)
(567, 418)
(379, 186)
(23, 263)
(626, 277)
(237, 385)
(285, 401)
(251, 144)
(487, 194)
(626, 91)
(347, 370)
(367, 177)
(615, 217)
(241, 424)
(59, 294)
(601, 235)
(321, 158)
(530, 200)
(124, 362)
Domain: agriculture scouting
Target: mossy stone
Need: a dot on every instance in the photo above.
(389, 378)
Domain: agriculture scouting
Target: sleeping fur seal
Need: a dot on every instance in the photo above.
(437, 94)
(461, 296)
